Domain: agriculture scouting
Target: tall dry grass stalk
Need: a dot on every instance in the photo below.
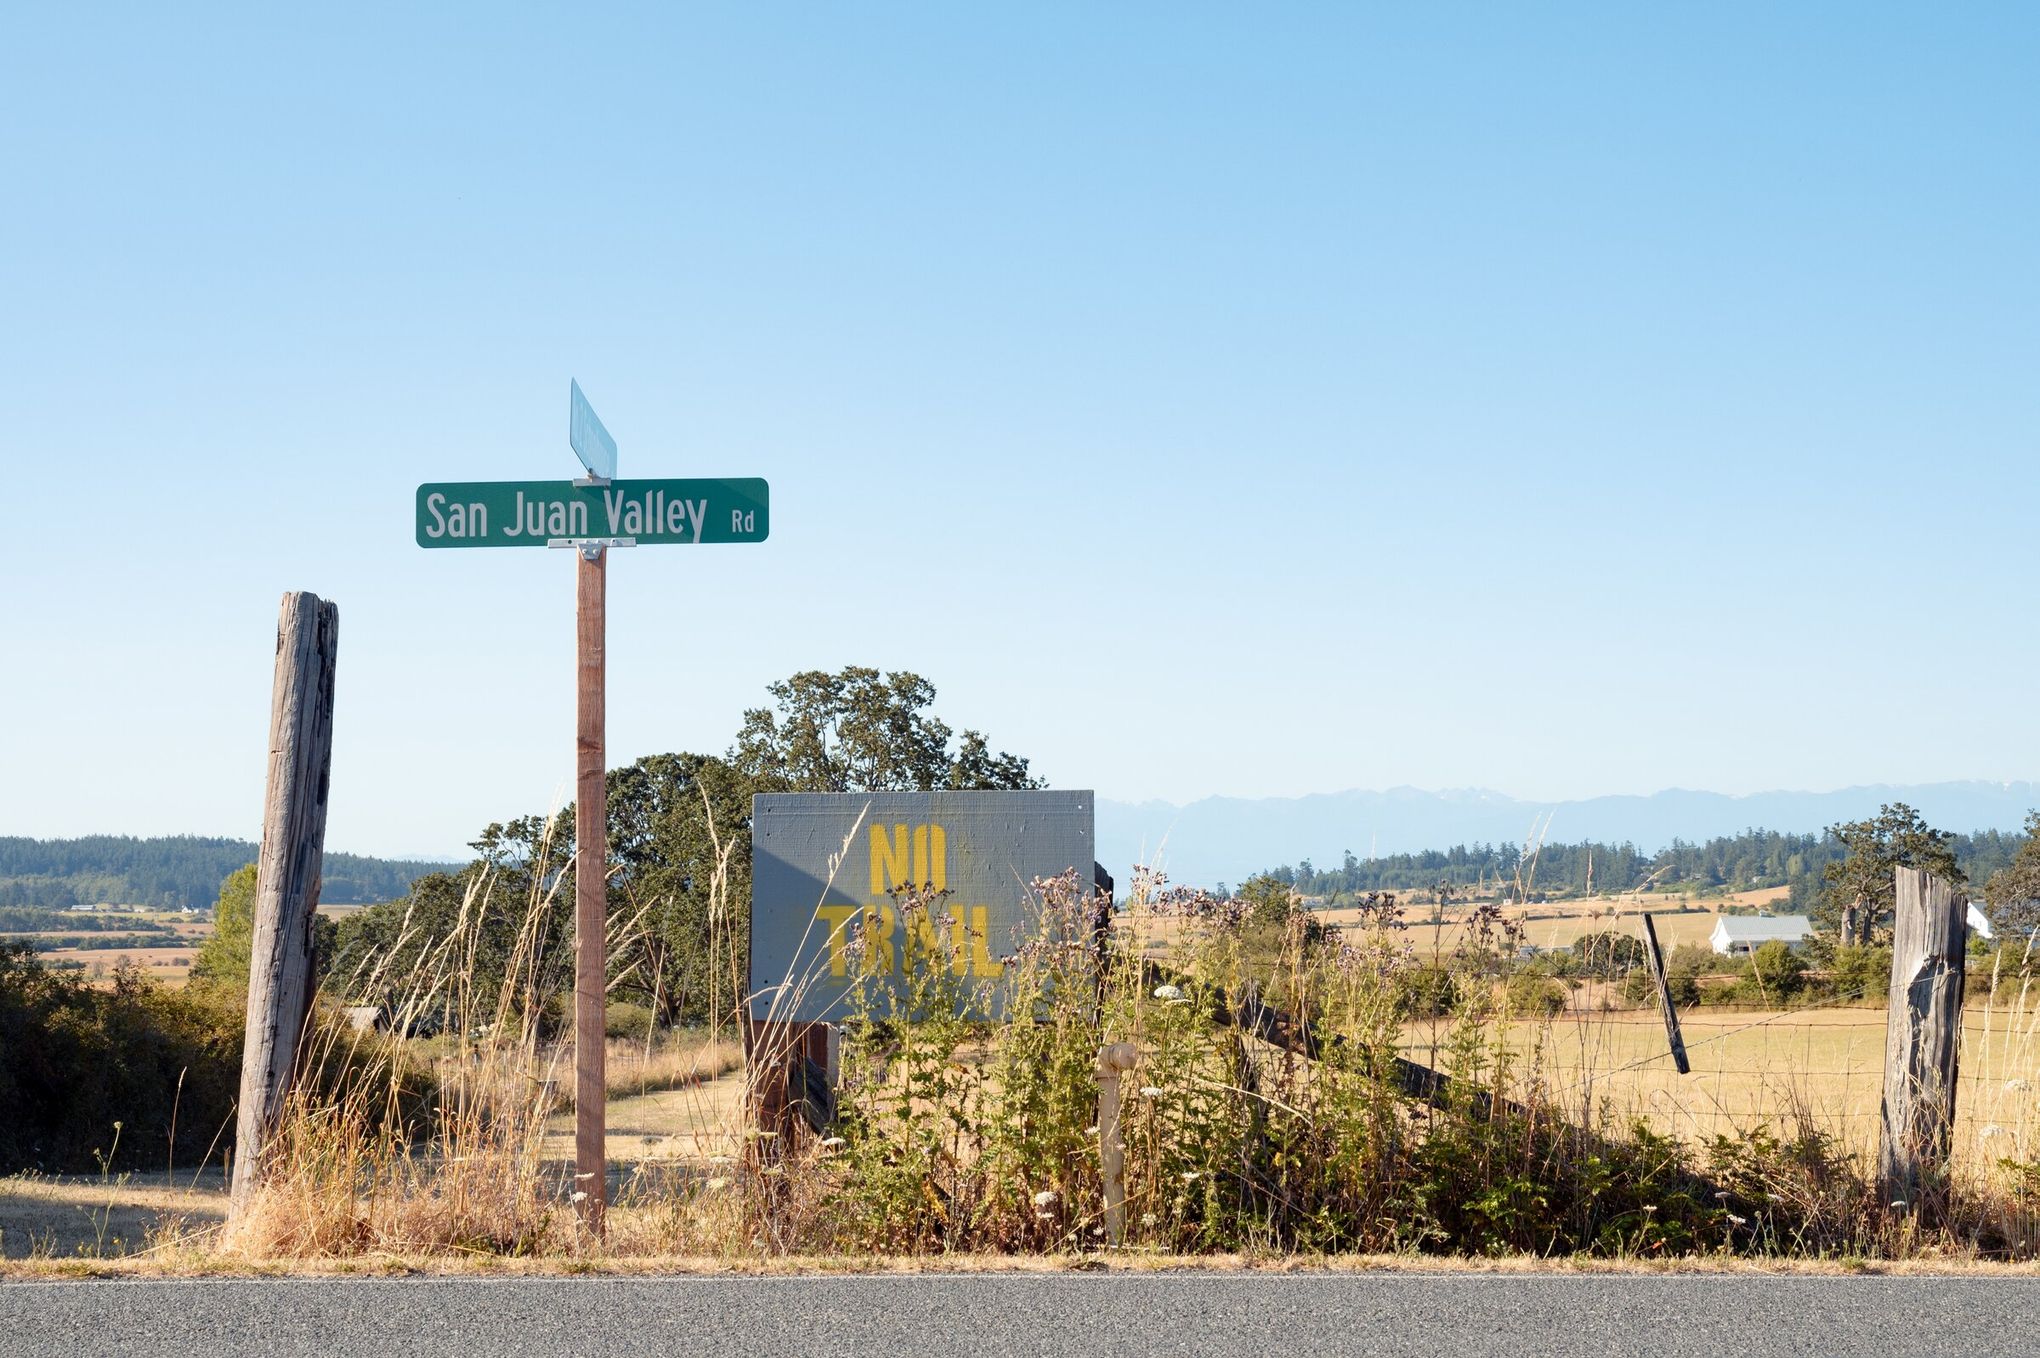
(381, 1149)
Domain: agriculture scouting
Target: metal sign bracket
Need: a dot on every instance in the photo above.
(590, 548)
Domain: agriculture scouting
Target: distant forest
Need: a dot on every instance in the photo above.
(170, 873)
(1750, 861)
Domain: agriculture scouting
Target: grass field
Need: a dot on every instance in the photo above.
(1787, 1069)
(1555, 924)
(1751, 1067)
(691, 1125)
(170, 966)
(64, 1216)
(58, 1217)
(691, 1114)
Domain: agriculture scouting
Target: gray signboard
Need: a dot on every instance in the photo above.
(824, 865)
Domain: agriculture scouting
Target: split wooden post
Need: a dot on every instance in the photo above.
(1114, 1061)
(1922, 1040)
(1656, 957)
(591, 892)
(779, 1090)
(287, 876)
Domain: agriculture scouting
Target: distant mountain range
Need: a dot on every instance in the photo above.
(1230, 838)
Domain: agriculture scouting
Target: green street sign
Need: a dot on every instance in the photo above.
(540, 513)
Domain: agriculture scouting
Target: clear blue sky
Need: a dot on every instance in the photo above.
(1251, 399)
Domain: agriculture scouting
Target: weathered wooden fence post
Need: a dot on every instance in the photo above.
(1113, 1062)
(1656, 957)
(1922, 1039)
(286, 875)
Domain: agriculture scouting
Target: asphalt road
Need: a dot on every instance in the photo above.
(1467, 1316)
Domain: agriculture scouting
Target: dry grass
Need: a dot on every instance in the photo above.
(180, 1261)
(1752, 1067)
(1749, 1068)
(689, 1124)
(1555, 924)
(50, 1217)
(678, 1060)
(480, 1177)
(168, 966)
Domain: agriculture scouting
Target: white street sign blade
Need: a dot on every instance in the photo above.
(591, 441)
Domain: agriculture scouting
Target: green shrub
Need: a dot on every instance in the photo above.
(1426, 993)
(1779, 972)
(163, 1066)
(633, 1021)
(1860, 973)
(956, 1135)
(1534, 996)
(1607, 954)
(1682, 978)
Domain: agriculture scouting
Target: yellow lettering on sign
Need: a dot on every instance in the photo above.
(981, 962)
(931, 857)
(962, 935)
(888, 859)
(838, 918)
(890, 856)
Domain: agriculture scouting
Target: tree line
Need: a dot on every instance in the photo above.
(1841, 877)
(171, 872)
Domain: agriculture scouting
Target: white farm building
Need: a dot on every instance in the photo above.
(1737, 934)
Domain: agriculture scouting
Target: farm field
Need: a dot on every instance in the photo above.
(1753, 1066)
(171, 966)
(1555, 924)
(167, 965)
(679, 1100)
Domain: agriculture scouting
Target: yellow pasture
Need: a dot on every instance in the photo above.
(1755, 1066)
(171, 966)
(1555, 924)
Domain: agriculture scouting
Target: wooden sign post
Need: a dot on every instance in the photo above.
(591, 516)
(591, 891)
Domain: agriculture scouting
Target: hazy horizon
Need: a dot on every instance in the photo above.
(1117, 815)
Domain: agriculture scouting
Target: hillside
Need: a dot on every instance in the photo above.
(170, 873)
